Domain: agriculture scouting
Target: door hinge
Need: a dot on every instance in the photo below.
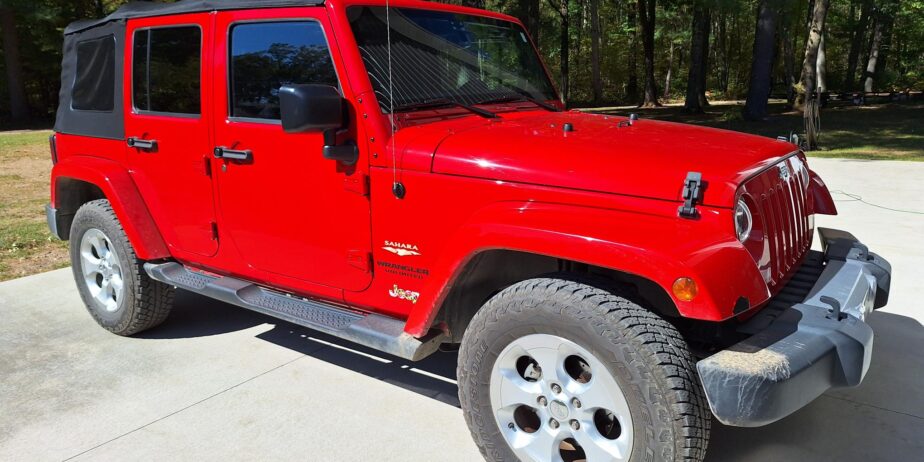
(360, 259)
(357, 183)
(214, 231)
(693, 188)
(208, 165)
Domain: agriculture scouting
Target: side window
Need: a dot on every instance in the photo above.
(94, 84)
(165, 69)
(268, 55)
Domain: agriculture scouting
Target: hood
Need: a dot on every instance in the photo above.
(603, 153)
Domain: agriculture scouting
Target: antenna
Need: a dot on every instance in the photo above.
(396, 187)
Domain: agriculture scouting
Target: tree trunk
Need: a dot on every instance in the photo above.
(888, 21)
(528, 13)
(595, 51)
(670, 69)
(873, 56)
(699, 44)
(755, 108)
(632, 81)
(19, 106)
(856, 43)
(565, 49)
(789, 64)
(809, 75)
(646, 14)
(704, 63)
(722, 45)
(822, 65)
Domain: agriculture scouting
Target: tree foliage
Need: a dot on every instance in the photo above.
(596, 50)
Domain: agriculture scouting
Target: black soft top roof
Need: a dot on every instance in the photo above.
(150, 9)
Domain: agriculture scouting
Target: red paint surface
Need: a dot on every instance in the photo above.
(603, 194)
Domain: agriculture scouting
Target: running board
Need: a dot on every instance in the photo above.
(372, 330)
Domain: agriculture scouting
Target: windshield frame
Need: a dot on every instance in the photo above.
(549, 95)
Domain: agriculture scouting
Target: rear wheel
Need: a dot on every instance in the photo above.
(112, 283)
(558, 370)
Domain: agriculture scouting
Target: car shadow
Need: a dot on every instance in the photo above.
(880, 420)
(195, 315)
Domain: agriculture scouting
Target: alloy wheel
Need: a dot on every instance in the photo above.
(555, 401)
(101, 269)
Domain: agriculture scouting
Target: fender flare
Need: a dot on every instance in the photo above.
(117, 185)
(822, 202)
(656, 246)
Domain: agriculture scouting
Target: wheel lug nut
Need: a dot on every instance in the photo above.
(576, 403)
(556, 388)
(575, 425)
(553, 423)
(542, 401)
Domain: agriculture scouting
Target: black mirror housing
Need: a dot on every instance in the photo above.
(310, 108)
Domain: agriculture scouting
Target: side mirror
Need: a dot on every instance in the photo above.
(317, 108)
(310, 108)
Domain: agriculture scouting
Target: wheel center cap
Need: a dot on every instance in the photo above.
(559, 410)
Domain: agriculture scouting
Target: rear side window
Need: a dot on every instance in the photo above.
(94, 84)
(268, 55)
(165, 69)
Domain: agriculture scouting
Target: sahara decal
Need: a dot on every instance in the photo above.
(401, 249)
(404, 294)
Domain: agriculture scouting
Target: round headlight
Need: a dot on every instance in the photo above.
(744, 221)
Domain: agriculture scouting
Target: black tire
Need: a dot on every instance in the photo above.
(644, 353)
(144, 302)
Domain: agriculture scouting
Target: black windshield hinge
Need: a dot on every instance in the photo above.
(693, 188)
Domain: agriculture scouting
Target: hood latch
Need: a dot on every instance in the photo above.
(693, 188)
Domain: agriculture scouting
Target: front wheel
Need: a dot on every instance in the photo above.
(559, 370)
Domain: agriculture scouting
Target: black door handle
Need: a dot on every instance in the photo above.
(244, 155)
(144, 145)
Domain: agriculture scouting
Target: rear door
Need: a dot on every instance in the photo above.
(168, 127)
(287, 209)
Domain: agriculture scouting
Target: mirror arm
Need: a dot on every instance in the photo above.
(347, 152)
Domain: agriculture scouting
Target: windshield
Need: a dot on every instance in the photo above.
(438, 55)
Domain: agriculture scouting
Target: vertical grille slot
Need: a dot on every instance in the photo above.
(782, 205)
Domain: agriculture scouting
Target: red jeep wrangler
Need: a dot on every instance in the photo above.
(401, 175)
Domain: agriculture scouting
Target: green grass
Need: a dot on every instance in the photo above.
(892, 131)
(18, 139)
(26, 245)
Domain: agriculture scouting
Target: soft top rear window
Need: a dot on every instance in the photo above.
(94, 84)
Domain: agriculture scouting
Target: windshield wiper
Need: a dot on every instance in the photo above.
(443, 102)
(520, 97)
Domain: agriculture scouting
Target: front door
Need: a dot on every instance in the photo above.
(168, 127)
(285, 207)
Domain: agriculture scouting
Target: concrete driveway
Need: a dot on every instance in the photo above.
(216, 382)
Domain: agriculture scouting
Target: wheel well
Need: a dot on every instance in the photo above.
(491, 271)
(70, 194)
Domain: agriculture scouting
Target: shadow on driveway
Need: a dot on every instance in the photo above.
(883, 419)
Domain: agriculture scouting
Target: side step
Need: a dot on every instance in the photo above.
(372, 330)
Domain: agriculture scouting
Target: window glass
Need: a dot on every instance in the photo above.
(165, 69)
(266, 56)
(94, 85)
(437, 55)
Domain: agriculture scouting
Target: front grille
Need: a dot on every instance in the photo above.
(782, 203)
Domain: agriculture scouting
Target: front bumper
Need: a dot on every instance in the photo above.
(802, 346)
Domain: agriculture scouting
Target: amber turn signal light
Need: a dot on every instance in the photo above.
(685, 289)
